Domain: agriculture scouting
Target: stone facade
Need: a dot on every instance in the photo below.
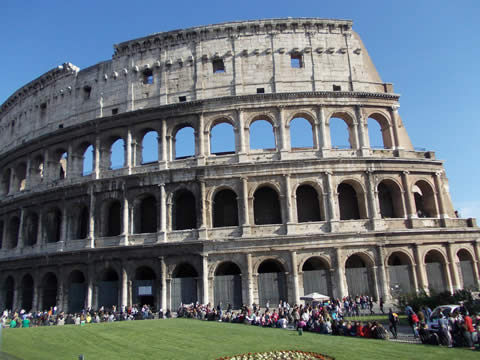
(204, 227)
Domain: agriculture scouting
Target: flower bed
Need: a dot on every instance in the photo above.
(279, 355)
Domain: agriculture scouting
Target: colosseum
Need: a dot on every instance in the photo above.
(243, 226)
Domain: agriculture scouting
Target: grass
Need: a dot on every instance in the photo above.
(194, 339)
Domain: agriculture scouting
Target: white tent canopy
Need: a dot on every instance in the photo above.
(315, 297)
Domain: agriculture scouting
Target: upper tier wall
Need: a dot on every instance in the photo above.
(255, 55)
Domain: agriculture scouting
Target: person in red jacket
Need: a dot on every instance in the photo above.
(360, 329)
(468, 331)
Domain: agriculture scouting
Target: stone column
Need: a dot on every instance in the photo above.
(414, 276)
(28, 173)
(452, 259)
(60, 291)
(409, 199)
(90, 282)
(245, 207)
(382, 273)
(250, 299)
(21, 230)
(91, 217)
(376, 291)
(124, 299)
(341, 291)
(202, 231)
(165, 156)
(440, 198)
(296, 295)
(200, 140)
(331, 193)
(395, 120)
(163, 213)
(163, 274)
(476, 248)
(46, 167)
(354, 135)
(288, 199)
(241, 132)
(97, 160)
(63, 229)
(372, 198)
(362, 133)
(205, 278)
(284, 144)
(16, 297)
(420, 269)
(128, 151)
(322, 140)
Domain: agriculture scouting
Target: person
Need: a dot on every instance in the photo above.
(381, 305)
(26, 322)
(393, 321)
(13, 323)
(468, 330)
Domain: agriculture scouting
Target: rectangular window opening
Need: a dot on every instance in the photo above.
(260, 90)
(87, 90)
(218, 66)
(182, 98)
(337, 88)
(115, 111)
(148, 77)
(60, 126)
(296, 61)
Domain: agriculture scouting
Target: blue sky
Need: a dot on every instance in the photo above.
(428, 49)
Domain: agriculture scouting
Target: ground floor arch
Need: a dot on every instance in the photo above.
(108, 289)
(143, 286)
(359, 275)
(49, 291)
(400, 274)
(316, 277)
(77, 290)
(9, 289)
(227, 285)
(436, 271)
(272, 285)
(466, 269)
(184, 288)
(27, 292)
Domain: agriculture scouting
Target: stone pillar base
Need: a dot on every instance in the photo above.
(202, 234)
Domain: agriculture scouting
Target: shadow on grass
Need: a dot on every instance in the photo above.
(4, 356)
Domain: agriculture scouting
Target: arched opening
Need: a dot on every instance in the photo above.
(144, 286)
(316, 277)
(466, 269)
(2, 224)
(436, 274)
(6, 181)
(301, 134)
(83, 225)
(185, 143)
(400, 274)
(13, 231)
(87, 167)
(37, 170)
(31, 229)
(184, 285)
(340, 135)
(117, 154)
(9, 288)
(379, 132)
(308, 204)
(222, 139)
(228, 285)
(49, 291)
(20, 177)
(77, 290)
(108, 289)
(145, 220)
(62, 165)
(390, 200)
(266, 206)
(348, 202)
(27, 292)
(225, 209)
(53, 220)
(358, 271)
(184, 210)
(272, 286)
(424, 200)
(114, 218)
(150, 147)
(262, 135)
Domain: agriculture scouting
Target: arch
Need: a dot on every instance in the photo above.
(83, 225)
(114, 218)
(341, 130)
(316, 276)
(390, 199)
(222, 138)
(150, 147)
(348, 201)
(144, 289)
(87, 163)
(308, 204)
(466, 269)
(184, 285)
(184, 210)
(145, 215)
(20, 176)
(262, 135)
(76, 291)
(27, 292)
(8, 290)
(184, 142)
(62, 159)
(108, 288)
(37, 170)
(400, 273)
(272, 286)
(6, 177)
(117, 154)
(379, 131)
(301, 133)
(424, 199)
(435, 265)
(53, 225)
(49, 290)
(225, 208)
(266, 206)
(359, 275)
(13, 232)
(31, 229)
(227, 285)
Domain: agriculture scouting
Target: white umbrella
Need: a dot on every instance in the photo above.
(315, 297)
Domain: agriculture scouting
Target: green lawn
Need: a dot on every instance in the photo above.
(194, 339)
